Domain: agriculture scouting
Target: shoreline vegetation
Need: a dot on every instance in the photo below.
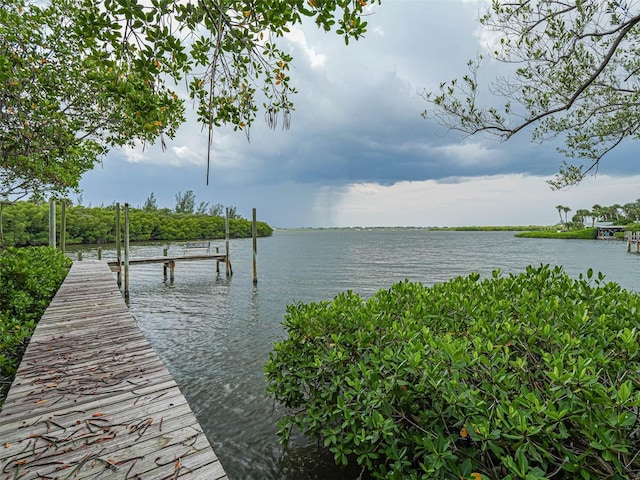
(29, 279)
(24, 224)
(528, 231)
(584, 234)
(469, 228)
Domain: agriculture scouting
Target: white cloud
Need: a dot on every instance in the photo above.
(377, 30)
(187, 153)
(469, 154)
(297, 36)
(490, 200)
(134, 154)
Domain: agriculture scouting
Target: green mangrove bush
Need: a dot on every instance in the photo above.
(584, 234)
(528, 376)
(29, 278)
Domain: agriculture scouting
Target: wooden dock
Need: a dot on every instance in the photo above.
(632, 238)
(169, 263)
(91, 398)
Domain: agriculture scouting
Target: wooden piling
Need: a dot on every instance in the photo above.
(52, 223)
(254, 235)
(63, 227)
(226, 229)
(99, 253)
(118, 247)
(126, 251)
(217, 263)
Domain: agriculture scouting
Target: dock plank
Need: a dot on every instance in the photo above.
(92, 399)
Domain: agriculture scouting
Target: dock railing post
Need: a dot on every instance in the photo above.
(254, 235)
(126, 251)
(118, 246)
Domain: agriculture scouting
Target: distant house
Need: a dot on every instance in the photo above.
(606, 230)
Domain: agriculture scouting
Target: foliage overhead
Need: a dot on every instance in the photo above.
(575, 76)
(79, 77)
(67, 96)
(529, 376)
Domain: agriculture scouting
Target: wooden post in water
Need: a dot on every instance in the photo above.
(63, 226)
(126, 251)
(254, 235)
(226, 234)
(217, 262)
(52, 223)
(118, 246)
(99, 253)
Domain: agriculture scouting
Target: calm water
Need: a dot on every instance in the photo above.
(215, 334)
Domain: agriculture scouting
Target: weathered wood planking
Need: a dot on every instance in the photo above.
(91, 398)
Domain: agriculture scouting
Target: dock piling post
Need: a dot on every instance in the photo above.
(227, 260)
(254, 235)
(217, 262)
(126, 251)
(52, 223)
(63, 226)
(99, 253)
(118, 246)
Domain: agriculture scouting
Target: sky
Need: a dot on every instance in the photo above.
(358, 152)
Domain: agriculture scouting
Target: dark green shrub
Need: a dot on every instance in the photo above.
(29, 278)
(528, 376)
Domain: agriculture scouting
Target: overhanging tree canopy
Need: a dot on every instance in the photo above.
(67, 97)
(80, 77)
(576, 75)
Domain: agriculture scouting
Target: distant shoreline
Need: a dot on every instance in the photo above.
(521, 231)
(471, 228)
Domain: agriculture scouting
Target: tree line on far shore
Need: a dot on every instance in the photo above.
(616, 214)
(27, 223)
